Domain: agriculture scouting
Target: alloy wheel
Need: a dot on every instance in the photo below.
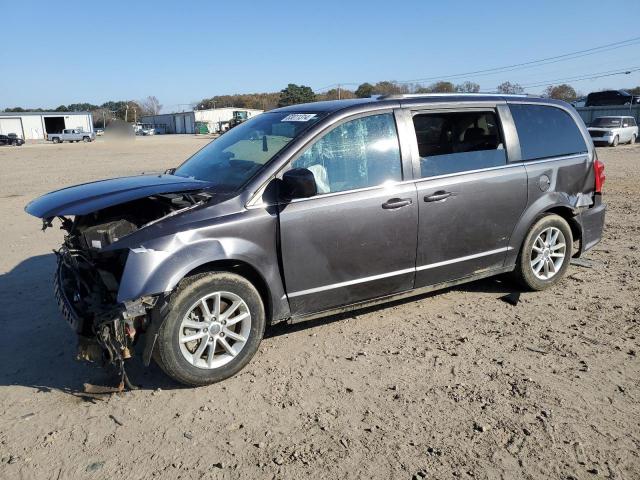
(214, 330)
(548, 253)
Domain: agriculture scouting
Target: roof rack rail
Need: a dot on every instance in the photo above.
(452, 94)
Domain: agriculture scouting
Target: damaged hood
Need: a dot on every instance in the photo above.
(90, 197)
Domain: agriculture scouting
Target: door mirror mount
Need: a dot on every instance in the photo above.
(298, 183)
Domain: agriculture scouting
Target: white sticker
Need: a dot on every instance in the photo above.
(298, 117)
(96, 243)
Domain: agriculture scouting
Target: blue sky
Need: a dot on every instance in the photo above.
(181, 52)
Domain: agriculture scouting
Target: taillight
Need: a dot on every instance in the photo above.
(598, 168)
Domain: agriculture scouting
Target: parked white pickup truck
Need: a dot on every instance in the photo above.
(72, 135)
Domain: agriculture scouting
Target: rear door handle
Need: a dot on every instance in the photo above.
(439, 195)
(396, 203)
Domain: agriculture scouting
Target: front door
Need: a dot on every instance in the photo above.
(356, 239)
(470, 198)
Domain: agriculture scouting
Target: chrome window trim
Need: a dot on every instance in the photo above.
(425, 179)
(469, 172)
(381, 276)
(555, 159)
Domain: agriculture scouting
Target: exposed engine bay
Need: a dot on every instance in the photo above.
(87, 278)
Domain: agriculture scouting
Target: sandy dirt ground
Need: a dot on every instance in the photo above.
(456, 384)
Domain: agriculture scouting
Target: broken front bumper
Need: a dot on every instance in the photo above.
(106, 332)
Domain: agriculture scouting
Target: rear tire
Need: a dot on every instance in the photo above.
(86, 139)
(545, 254)
(222, 343)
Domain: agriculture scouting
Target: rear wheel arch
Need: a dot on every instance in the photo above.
(548, 244)
(570, 216)
(547, 205)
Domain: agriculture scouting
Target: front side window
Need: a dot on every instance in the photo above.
(238, 155)
(453, 142)
(356, 154)
(546, 132)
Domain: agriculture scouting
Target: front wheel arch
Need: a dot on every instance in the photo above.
(168, 350)
(237, 267)
(243, 269)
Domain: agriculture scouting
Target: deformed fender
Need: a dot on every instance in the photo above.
(543, 204)
(157, 267)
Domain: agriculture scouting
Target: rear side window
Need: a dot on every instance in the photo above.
(453, 142)
(546, 132)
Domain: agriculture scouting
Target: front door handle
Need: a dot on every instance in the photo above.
(439, 195)
(396, 203)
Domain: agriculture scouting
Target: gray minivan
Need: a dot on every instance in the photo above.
(314, 209)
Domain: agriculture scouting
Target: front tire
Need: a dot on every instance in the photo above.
(545, 253)
(214, 325)
(616, 141)
(633, 139)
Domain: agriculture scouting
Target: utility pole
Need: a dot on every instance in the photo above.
(339, 93)
(135, 116)
(126, 113)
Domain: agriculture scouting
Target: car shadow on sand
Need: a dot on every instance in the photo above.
(37, 350)
(501, 287)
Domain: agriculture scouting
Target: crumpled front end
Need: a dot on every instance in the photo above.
(89, 274)
(86, 285)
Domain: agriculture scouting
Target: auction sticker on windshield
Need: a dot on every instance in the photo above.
(298, 117)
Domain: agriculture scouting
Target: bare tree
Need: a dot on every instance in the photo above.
(510, 88)
(151, 105)
(468, 87)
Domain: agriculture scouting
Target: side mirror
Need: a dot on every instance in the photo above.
(298, 183)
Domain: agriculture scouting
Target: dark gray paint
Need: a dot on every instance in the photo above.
(347, 238)
(332, 246)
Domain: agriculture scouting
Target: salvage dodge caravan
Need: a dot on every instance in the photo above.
(312, 209)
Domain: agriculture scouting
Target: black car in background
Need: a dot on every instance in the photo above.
(11, 139)
(611, 97)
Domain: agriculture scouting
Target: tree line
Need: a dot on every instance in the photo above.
(292, 94)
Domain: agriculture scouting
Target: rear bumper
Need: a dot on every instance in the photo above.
(592, 224)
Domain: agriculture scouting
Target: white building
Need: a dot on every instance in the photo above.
(216, 119)
(36, 125)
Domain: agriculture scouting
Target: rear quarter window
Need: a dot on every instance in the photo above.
(546, 131)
